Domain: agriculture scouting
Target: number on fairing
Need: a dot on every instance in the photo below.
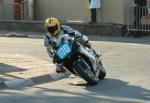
(63, 51)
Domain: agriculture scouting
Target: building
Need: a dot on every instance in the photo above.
(112, 11)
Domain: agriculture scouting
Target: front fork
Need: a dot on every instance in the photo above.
(99, 64)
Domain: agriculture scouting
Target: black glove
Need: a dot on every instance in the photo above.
(72, 33)
(55, 59)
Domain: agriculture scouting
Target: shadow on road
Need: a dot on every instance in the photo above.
(5, 69)
(108, 90)
(118, 88)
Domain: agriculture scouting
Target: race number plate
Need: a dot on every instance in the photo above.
(63, 51)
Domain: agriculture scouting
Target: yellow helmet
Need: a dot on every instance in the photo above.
(52, 26)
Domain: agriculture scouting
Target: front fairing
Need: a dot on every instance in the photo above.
(67, 52)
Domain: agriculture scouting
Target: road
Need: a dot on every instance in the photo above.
(127, 61)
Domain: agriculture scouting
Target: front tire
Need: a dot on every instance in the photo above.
(85, 72)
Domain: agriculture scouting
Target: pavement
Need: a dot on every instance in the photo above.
(126, 61)
(21, 70)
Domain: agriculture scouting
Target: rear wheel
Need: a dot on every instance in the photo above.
(85, 72)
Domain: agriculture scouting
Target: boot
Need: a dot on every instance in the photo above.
(60, 69)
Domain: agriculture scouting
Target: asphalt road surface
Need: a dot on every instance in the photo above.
(127, 61)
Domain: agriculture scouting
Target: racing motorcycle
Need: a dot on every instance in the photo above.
(69, 55)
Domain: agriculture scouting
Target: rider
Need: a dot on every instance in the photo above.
(55, 31)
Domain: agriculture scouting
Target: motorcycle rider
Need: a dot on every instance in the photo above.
(53, 38)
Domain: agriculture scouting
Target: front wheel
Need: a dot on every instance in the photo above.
(85, 72)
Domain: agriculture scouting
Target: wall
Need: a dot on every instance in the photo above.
(6, 9)
(111, 11)
(62, 9)
(128, 10)
(84, 28)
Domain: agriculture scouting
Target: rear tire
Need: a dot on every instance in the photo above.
(85, 72)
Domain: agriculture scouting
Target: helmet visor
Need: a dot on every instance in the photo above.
(52, 29)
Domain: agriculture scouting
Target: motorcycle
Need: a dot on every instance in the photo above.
(69, 55)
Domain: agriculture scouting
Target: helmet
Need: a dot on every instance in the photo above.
(52, 26)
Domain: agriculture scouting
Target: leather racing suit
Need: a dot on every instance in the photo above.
(49, 43)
